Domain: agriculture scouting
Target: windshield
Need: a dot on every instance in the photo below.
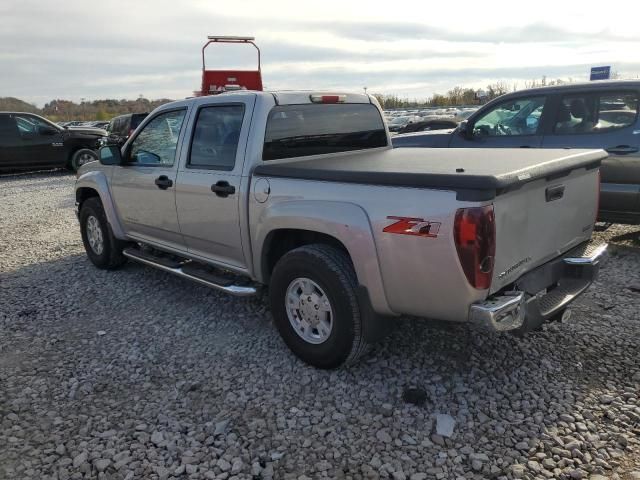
(30, 123)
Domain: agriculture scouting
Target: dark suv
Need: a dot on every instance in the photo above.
(588, 115)
(29, 142)
(122, 126)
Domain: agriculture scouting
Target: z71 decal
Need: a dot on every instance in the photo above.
(413, 226)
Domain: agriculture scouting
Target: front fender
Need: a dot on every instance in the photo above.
(343, 221)
(97, 180)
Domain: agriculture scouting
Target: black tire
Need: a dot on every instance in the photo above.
(82, 156)
(332, 271)
(110, 255)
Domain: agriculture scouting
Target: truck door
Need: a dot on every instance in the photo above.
(144, 186)
(607, 120)
(514, 123)
(42, 144)
(10, 143)
(208, 192)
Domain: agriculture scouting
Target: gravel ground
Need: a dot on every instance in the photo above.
(137, 374)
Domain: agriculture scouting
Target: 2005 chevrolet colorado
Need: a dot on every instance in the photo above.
(303, 192)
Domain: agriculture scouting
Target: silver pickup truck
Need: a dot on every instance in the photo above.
(302, 192)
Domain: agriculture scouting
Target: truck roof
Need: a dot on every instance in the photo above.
(581, 86)
(294, 97)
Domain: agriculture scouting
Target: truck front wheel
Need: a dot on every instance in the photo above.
(315, 308)
(103, 249)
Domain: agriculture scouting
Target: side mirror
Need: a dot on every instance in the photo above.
(110, 155)
(47, 130)
(465, 130)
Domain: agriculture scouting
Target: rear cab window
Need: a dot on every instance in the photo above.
(595, 112)
(314, 129)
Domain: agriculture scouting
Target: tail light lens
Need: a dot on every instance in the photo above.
(474, 232)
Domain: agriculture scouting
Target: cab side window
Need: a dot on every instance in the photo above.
(26, 126)
(156, 144)
(215, 137)
(30, 127)
(513, 117)
(596, 112)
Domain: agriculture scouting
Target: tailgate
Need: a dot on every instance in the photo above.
(541, 220)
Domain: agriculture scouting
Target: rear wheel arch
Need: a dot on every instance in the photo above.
(281, 241)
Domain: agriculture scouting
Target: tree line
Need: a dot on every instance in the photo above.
(459, 96)
(65, 110)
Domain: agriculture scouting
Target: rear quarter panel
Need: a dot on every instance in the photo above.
(419, 275)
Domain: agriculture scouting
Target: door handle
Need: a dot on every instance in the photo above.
(622, 149)
(223, 189)
(163, 182)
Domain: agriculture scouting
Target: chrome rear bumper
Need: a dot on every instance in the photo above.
(499, 313)
(543, 293)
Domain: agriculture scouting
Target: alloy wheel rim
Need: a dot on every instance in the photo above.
(94, 235)
(309, 310)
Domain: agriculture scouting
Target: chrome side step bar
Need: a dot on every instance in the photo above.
(236, 290)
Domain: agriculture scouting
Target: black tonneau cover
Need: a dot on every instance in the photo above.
(476, 174)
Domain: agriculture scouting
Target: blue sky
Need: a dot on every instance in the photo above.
(121, 49)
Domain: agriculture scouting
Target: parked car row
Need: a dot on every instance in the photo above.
(401, 121)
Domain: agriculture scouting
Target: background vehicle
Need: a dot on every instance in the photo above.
(28, 141)
(429, 123)
(122, 126)
(99, 124)
(592, 115)
(398, 123)
(302, 192)
(218, 81)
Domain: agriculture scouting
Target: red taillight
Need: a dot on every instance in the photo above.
(474, 233)
(316, 98)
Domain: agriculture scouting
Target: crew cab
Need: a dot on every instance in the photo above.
(29, 141)
(302, 192)
(581, 115)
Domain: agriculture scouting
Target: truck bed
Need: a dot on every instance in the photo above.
(475, 174)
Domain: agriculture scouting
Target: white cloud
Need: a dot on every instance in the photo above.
(78, 49)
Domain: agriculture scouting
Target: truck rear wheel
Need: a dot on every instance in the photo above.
(315, 308)
(103, 249)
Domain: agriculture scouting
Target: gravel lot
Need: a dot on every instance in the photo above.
(137, 374)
